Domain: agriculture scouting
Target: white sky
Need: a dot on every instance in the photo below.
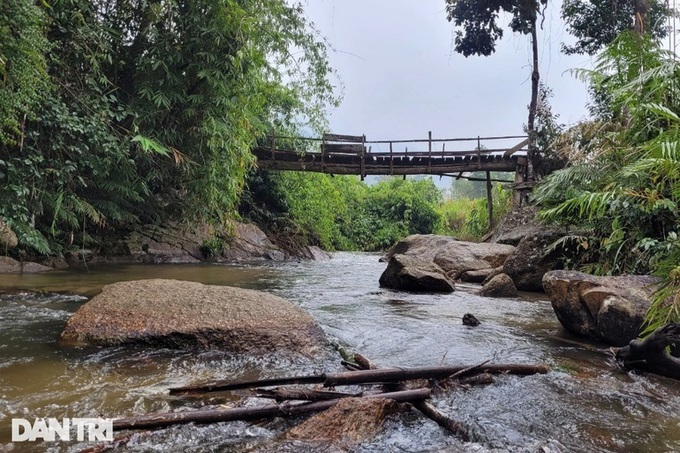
(402, 78)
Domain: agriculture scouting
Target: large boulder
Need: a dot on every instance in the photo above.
(611, 309)
(452, 256)
(533, 257)
(172, 313)
(500, 285)
(251, 243)
(8, 239)
(410, 273)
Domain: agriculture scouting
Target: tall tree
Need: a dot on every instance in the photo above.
(477, 31)
(596, 23)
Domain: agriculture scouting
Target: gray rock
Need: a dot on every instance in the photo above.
(182, 314)
(479, 276)
(12, 266)
(499, 286)
(8, 239)
(533, 257)
(251, 243)
(453, 256)
(410, 273)
(611, 309)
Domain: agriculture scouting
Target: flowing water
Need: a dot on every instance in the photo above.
(584, 404)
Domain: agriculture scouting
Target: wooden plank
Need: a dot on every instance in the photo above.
(343, 138)
(342, 148)
(516, 148)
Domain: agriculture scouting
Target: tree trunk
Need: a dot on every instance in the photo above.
(533, 105)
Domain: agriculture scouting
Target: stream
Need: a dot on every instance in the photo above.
(585, 404)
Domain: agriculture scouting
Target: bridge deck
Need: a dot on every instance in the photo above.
(348, 154)
(381, 163)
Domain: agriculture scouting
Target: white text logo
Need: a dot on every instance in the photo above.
(51, 429)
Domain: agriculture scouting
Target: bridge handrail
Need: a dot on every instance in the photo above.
(424, 140)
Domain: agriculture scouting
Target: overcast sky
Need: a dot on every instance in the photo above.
(401, 77)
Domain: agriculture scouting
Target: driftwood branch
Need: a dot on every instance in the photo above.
(650, 354)
(160, 420)
(423, 406)
(406, 374)
(363, 377)
(222, 386)
(286, 394)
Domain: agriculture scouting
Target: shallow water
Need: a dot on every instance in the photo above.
(583, 404)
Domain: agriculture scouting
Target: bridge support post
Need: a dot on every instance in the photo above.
(363, 156)
(489, 199)
(429, 152)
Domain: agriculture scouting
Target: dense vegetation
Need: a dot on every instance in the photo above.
(622, 188)
(343, 213)
(114, 114)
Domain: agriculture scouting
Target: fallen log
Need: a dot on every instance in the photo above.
(222, 386)
(363, 377)
(160, 420)
(441, 372)
(286, 394)
(650, 354)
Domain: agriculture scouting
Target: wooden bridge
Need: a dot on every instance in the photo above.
(354, 155)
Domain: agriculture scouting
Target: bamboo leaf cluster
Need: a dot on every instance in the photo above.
(116, 113)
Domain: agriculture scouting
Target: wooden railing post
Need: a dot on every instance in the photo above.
(429, 151)
(323, 152)
(391, 161)
(273, 146)
(363, 156)
(479, 153)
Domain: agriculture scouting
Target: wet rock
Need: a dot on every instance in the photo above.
(410, 273)
(8, 239)
(79, 258)
(470, 320)
(351, 421)
(611, 309)
(12, 266)
(499, 286)
(533, 257)
(492, 274)
(181, 314)
(480, 275)
(452, 256)
(316, 253)
(55, 263)
(251, 243)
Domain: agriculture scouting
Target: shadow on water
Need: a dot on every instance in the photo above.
(583, 404)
